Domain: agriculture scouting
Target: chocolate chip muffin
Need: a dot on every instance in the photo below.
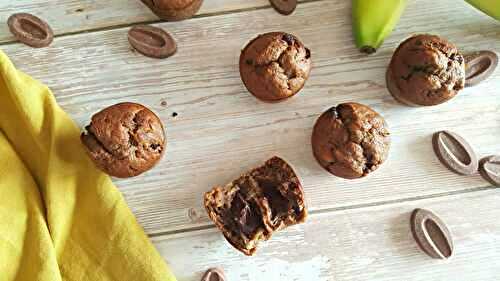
(174, 10)
(425, 70)
(275, 66)
(258, 203)
(350, 140)
(125, 140)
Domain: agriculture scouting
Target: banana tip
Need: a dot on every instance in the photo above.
(367, 49)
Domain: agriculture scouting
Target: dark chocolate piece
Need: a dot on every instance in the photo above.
(30, 30)
(214, 274)
(489, 167)
(152, 41)
(455, 153)
(284, 7)
(431, 234)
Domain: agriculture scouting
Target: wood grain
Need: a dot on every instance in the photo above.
(221, 130)
(71, 16)
(373, 243)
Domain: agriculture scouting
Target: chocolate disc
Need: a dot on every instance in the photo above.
(284, 7)
(152, 41)
(30, 30)
(431, 234)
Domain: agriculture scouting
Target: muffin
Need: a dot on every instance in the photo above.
(275, 66)
(350, 140)
(258, 203)
(425, 70)
(174, 10)
(125, 140)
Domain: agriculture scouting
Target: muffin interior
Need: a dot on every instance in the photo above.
(252, 207)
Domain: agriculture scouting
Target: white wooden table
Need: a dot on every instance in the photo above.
(357, 230)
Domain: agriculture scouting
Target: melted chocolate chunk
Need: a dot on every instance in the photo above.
(245, 214)
(279, 204)
(252, 207)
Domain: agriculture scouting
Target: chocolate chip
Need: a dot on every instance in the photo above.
(279, 204)
(174, 114)
(288, 38)
(249, 61)
(308, 53)
(455, 153)
(245, 215)
(284, 7)
(489, 167)
(296, 210)
(152, 41)
(334, 112)
(30, 30)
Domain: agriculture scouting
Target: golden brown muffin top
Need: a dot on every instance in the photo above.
(125, 139)
(427, 70)
(275, 66)
(350, 140)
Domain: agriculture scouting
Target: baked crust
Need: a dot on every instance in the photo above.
(275, 66)
(425, 70)
(258, 203)
(125, 140)
(350, 140)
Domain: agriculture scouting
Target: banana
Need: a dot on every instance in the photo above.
(489, 7)
(374, 20)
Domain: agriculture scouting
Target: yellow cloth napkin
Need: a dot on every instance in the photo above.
(60, 217)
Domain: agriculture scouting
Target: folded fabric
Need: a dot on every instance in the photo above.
(60, 217)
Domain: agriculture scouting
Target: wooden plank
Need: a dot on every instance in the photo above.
(372, 243)
(221, 130)
(70, 16)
